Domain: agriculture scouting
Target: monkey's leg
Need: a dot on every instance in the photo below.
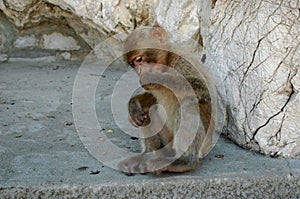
(151, 141)
(187, 142)
(137, 164)
(188, 161)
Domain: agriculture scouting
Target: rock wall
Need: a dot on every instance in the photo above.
(46, 29)
(252, 48)
(86, 21)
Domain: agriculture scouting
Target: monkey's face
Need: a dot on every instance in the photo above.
(148, 60)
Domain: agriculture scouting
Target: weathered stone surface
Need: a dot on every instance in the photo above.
(39, 18)
(252, 50)
(59, 42)
(18, 5)
(107, 17)
(182, 16)
(66, 55)
(25, 42)
(3, 58)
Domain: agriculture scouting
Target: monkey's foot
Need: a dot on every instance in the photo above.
(169, 164)
(133, 165)
(159, 165)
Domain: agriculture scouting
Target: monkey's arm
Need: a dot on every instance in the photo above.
(178, 84)
(138, 109)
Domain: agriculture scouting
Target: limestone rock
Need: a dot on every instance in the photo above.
(58, 41)
(254, 50)
(66, 56)
(107, 17)
(3, 58)
(18, 5)
(182, 16)
(25, 42)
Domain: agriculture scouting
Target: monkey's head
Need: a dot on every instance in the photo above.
(146, 49)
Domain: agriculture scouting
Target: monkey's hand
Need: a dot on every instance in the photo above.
(139, 110)
(137, 116)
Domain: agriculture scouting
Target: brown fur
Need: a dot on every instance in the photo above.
(169, 144)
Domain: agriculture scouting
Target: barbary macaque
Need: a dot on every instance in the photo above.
(177, 135)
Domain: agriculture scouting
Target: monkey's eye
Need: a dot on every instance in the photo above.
(138, 59)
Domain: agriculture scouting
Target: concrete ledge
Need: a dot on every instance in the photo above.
(173, 187)
(42, 156)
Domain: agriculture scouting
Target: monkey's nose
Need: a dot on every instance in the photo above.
(138, 69)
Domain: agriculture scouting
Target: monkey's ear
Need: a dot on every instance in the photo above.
(159, 33)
